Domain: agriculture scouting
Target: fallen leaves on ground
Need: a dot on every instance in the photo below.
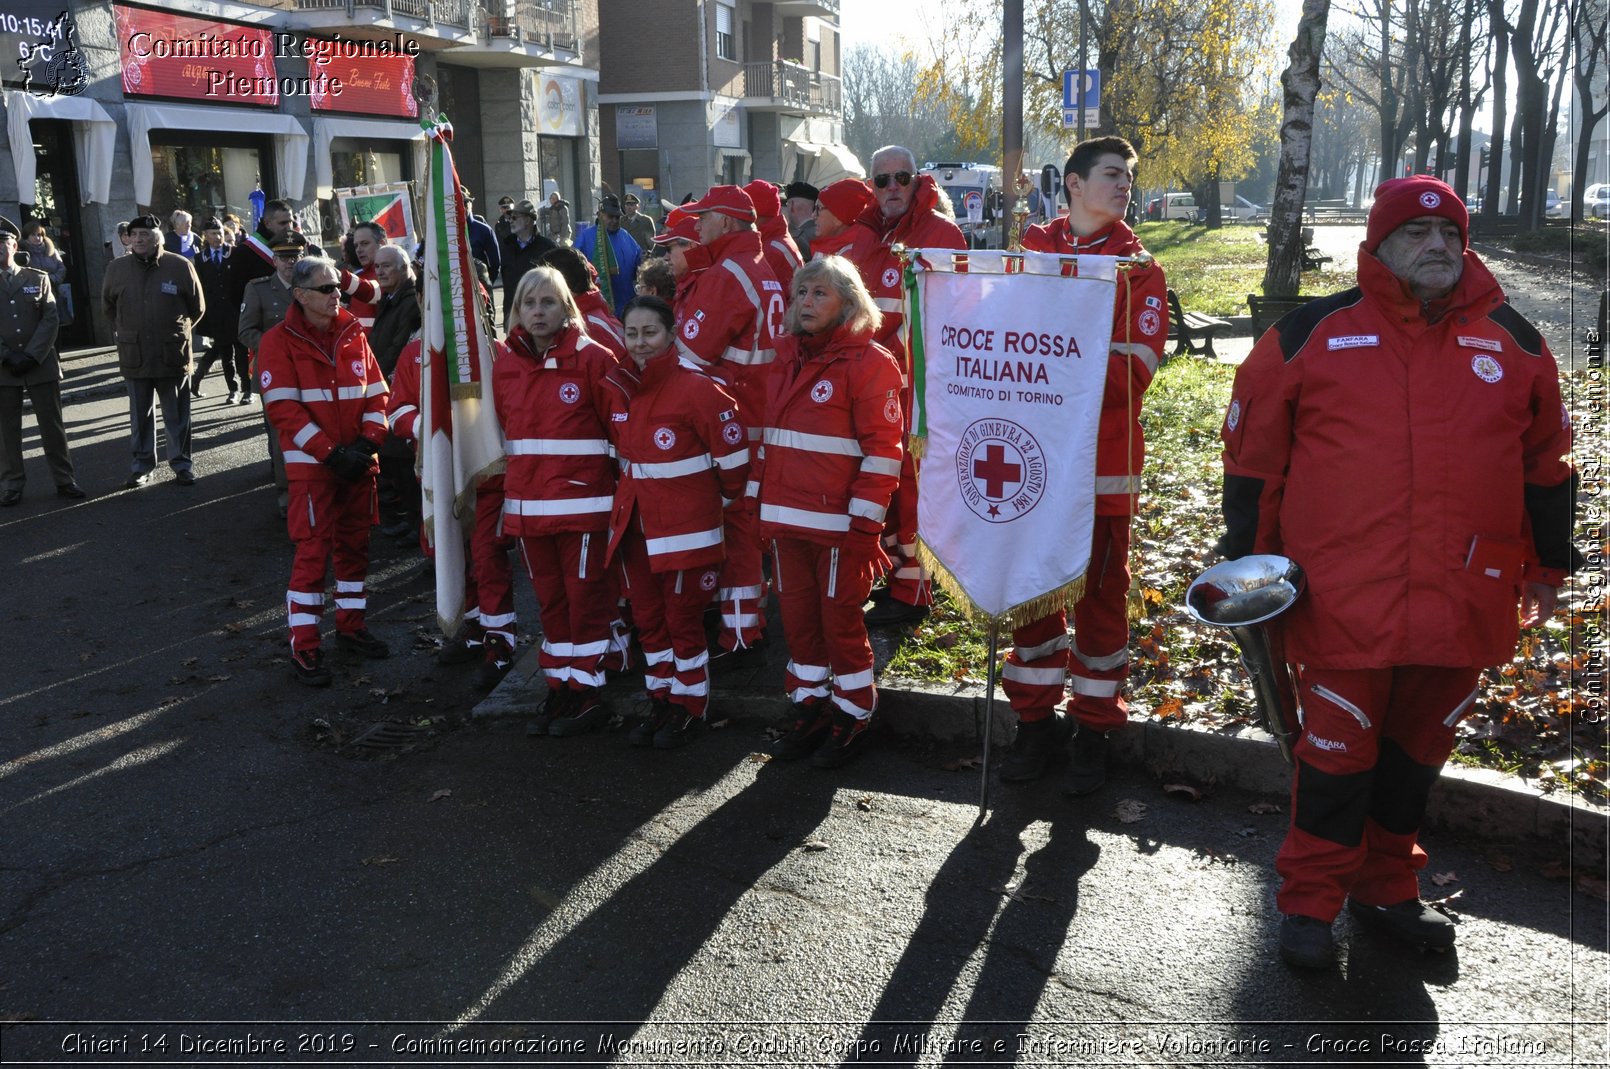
(1443, 879)
(814, 846)
(445, 792)
(1130, 811)
(1263, 808)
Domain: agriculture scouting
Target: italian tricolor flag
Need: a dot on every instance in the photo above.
(461, 442)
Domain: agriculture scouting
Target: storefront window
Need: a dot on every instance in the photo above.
(557, 156)
(366, 167)
(203, 180)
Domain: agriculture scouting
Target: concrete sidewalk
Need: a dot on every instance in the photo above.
(1472, 800)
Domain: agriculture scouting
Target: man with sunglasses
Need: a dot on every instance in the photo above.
(325, 395)
(908, 211)
(263, 307)
(1099, 175)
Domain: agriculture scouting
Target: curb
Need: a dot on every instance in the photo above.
(1474, 801)
(1534, 259)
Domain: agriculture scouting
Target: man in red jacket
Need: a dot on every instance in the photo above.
(726, 322)
(909, 212)
(776, 243)
(324, 393)
(1405, 443)
(1099, 175)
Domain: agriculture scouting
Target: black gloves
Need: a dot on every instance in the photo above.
(19, 364)
(349, 462)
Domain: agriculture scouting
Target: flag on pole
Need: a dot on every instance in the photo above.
(604, 263)
(460, 441)
(1009, 359)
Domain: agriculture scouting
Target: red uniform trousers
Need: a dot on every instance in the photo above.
(669, 608)
(489, 586)
(1039, 666)
(325, 520)
(909, 581)
(821, 606)
(743, 584)
(577, 601)
(1373, 742)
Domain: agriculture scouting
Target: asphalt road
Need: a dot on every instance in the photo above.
(182, 842)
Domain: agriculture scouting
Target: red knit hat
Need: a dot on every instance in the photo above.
(1397, 200)
(728, 200)
(764, 196)
(680, 225)
(846, 199)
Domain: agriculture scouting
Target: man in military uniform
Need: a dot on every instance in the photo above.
(28, 363)
(263, 306)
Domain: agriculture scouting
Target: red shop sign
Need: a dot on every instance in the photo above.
(361, 76)
(168, 55)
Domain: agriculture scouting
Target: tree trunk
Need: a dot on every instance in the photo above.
(1461, 172)
(1495, 158)
(1300, 81)
(1389, 99)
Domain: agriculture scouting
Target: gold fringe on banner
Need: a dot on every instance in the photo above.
(466, 391)
(1018, 615)
(918, 447)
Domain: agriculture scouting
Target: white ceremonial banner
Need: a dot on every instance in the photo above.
(1010, 356)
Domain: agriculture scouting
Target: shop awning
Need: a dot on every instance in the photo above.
(327, 130)
(94, 136)
(833, 163)
(290, 139)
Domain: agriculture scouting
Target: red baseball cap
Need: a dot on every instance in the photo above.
(765, 198)
(1397, 200)
(847, 199)
(680, 225)
(728, 200)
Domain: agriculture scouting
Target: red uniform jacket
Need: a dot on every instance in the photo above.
(856, 243)
(1417, 470)
(684, 459)
(1139, 331)
(833, 438)
(728, 319)
(922, 227)
(782, 255)
(363, 293)
(602, 326)
(402, 411)
(320, 389)
(555, 409)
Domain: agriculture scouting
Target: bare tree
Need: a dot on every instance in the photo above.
(1589, 27)
(1301, 83)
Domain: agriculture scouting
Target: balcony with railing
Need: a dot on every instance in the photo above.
(503, 33)
(822, 9)
(791, 88)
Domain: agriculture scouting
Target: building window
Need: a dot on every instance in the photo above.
(726, 43)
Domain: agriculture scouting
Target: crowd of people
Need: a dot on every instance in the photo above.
(703, 413)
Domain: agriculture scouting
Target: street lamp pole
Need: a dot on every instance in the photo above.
(1011, 116)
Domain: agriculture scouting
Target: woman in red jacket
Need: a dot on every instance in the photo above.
(554, 390)
(684, 461)
(830, 464)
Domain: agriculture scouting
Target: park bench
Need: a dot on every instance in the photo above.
(1267, 311)
(1182, 325)
(1313, 259)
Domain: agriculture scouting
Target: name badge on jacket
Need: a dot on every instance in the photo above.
(170, 287)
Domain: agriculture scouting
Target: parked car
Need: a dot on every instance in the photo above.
(1178, 206)
(1551, 205)
(1596, 201)
(1243, 209)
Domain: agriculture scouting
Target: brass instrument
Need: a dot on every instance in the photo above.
(1243, 595)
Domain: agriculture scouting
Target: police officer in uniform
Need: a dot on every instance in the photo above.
(28, 363)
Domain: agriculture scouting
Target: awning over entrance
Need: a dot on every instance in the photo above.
(327, 130)
(290, 140)
(94, 135)
(820, 164)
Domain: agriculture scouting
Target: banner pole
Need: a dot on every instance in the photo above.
(989, 727)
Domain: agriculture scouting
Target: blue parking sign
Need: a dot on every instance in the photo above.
(1088, 96)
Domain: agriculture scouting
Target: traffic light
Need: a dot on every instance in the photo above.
(1486, 153)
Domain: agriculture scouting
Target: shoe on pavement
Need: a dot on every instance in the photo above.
(403, 528)
(1039, 745)
(197, 392)
(10, 497)
(364, 642)
(660, 713)
(844, 742)
(71, 490)
(496, 660)
(185, 477)
(810, 725)
(1089, 772)
(585, 712)
(1307, 942)
(682, 728)
(233, 398)
(137, 479)
(248, 398)
(308, 667)
(552, 708)
(460, 651)
(743, 659)
(893, 613)
(1410, 921)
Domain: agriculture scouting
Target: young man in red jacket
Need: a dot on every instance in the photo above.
(1405, 443)
(323, 391)
(1099, 176)
(909, 212)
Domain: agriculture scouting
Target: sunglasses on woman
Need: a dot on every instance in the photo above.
(882, 180)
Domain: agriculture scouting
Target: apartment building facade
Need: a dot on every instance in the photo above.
(698, 92)
(210, 106)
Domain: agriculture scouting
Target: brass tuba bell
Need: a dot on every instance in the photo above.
(1243, 595)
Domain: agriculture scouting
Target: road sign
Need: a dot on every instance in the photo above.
(1070, 118)
(1081, 89)
(974, 201)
